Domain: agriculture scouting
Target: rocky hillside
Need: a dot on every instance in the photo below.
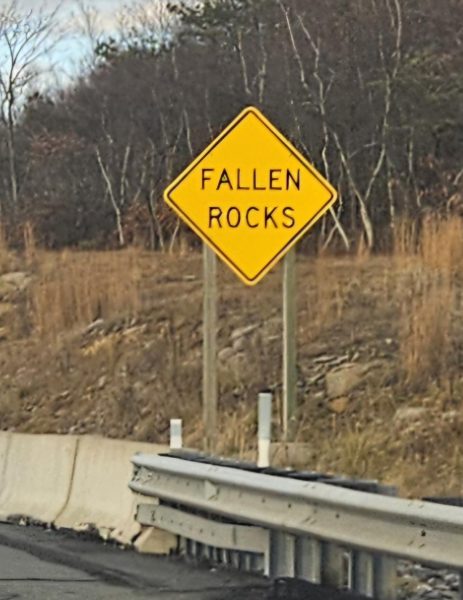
(110, 343)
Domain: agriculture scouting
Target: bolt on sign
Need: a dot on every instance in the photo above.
(250, 195)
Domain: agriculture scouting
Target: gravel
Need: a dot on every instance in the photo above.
(417, 582)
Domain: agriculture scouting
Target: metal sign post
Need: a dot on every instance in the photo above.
(210, 391)
(289, 344)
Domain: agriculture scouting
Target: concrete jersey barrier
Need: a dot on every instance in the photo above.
(36, 474)
(5, 438)
(99, 495)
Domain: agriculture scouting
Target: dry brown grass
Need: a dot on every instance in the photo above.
(5, 254)
(30, 246)
(76, 288)
(402, 311)
(357, 450)
(325, 298)
(405, 238)
(426, 334)
(430, 299)
(419, 458)
(362, 251)
(441, 245)
(236, 431)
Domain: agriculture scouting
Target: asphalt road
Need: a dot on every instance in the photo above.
(41, 564)
(36, 564)
(25, 576)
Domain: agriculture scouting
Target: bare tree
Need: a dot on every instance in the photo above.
(90, 28)
(25, 38)
(318, 101)
(145, 26)
(377, 107)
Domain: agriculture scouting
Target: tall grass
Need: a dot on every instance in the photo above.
(405, 238)
(30, 245)
(325, 298)
(5, 257)
(426, 342)
(75, 288)
(441, 245)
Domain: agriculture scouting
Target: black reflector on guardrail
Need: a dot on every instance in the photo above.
(450, 501)
(360, 485)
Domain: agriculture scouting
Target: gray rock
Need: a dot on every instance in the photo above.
(17, 279)
(272, 328)
(242, 337)
(452, 580)
(403, 568)
(423, 588)
(225, 354)
(423, 573)
(11, 283)
(237, 364)
(431, 584)
(102, 382)
(239, 344)
(409, 414)
(243, 331)
(94, 326)
(323, 359)
(345, 379)
(450, 415)
(6, 308)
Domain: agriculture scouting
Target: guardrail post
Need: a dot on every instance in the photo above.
(308, 559)
(175, 434)
(264, 429)
(363, 573)
(217, 555)
(282, 554)
(385, 578)
(182, 546)
(191, 547)
(333, 565)
(246, 562)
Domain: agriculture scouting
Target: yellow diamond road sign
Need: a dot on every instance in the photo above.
(250, 195)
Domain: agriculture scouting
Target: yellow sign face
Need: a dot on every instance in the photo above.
(250, 195)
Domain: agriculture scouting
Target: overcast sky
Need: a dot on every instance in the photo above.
(69, 54)
(107, 8)
(106, 5)
(74, 51)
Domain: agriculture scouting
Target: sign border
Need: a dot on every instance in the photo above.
(289, 146)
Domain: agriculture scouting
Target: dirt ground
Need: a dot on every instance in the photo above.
(110, 344)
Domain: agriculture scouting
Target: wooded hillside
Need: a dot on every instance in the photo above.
(370, 90)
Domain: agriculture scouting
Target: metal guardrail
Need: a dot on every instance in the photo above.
(291, 528)
(363, 485)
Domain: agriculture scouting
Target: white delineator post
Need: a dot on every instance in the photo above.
(264, 429)
(175, 434)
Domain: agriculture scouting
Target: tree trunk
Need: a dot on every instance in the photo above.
(12, 167)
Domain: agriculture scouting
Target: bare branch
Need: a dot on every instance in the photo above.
(110, 191)
(25, 37)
